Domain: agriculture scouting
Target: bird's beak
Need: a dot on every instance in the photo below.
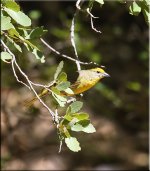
(106, 75)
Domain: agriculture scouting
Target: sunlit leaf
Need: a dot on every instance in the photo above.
(62, 77)
(77, 127)
(61, 100)
(134, 8)
(13, 32)
(58, 70)
(69, 91)
(73, 121)
(68, 117)
(89, 129)
(5, 56)
(19, 17)
(6, 23)
(81, 116)
(12, 5)
(55, 90)
(73, 144)
(76, 106)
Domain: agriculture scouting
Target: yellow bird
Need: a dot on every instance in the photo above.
(86, 80)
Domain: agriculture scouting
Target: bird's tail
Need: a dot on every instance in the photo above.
(29, 103)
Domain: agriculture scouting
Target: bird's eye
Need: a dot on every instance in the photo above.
(98, 72)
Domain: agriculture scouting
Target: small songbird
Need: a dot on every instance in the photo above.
(85, 80)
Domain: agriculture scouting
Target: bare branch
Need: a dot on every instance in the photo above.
(29, 82)
(63, 55)
(77, 4)
(73, 44)
(94, 27)
(12, 64)
(88, 11)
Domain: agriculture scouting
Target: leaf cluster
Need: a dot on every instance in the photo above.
(17, 32)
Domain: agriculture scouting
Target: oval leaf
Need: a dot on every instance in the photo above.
(73, 144)
(76, 106)
(6, 23)
(19, 17)
(12, 5)
(5, 56)
(89, 129)
(135, 9)
(58, 70)
(62, 77)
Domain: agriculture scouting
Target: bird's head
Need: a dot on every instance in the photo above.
(99, 72)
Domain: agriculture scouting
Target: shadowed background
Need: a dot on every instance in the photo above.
(118, 106)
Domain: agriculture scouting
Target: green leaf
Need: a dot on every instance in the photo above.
(6, 23)
(68, 111)
(146, 15)
(55, 90)
(19, 17)
(39, 55)
(13, 32)
(134, 9)
(89, 129)
(36, 33)
(73, 144)
(12, 5)
(61, 100)
(76, 106)
(68, 117)
(84, 123)
(63, 86)
(5, 56)
(58, 70)
(100, 1)
(69, 91)
(81, 116)
(15, 44)
(77, 127)
(62, 77)
(147, 2)
(72, 122)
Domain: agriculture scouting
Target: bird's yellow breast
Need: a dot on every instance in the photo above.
(84, 85)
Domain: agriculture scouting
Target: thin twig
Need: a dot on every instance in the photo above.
(92, 16)
(77, 4)
(73, 44)
(88, 11)
(63, 55)
(94, 27)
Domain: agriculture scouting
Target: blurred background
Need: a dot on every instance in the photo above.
(118, 106)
